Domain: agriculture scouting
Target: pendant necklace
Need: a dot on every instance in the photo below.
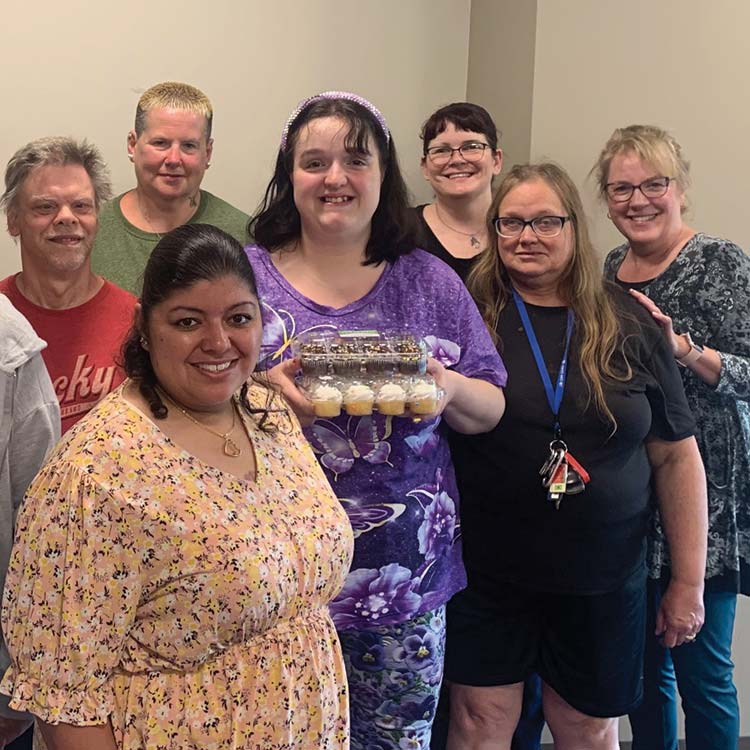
(473, 239)
(231, 448)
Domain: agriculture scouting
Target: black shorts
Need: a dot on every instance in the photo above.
(589, 648)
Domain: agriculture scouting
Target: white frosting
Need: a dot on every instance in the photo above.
(327, 393)
(391, 392)
(359, 393)
(423, 390)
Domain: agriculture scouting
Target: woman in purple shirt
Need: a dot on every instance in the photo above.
(336, 252)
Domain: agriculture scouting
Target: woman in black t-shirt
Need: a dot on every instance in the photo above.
(555, 499)
(460, 157)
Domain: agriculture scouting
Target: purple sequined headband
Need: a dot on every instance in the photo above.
(371, 108)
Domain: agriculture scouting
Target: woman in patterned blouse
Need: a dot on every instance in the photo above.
(697, 288)
(175, 557)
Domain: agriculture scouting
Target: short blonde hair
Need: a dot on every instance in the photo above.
(174, 95)
(653, 145)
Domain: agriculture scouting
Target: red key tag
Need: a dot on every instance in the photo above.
(579, 469)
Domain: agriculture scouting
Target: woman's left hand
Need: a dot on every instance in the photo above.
(681, 614)
(676, 342)
(442, 378)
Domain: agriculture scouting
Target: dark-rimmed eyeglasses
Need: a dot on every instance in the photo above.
(654, 187)
(543, 226)
(470, 151)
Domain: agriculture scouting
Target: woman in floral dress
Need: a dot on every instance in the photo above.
(175, 557)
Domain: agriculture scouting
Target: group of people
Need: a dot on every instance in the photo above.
(204, 562)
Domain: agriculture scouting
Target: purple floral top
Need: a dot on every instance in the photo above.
(393, 476)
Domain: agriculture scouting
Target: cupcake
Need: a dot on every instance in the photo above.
(358, 400)
(423, 397)
(326, 400)
(391, 399)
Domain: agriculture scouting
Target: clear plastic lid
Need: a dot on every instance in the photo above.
(360, 353)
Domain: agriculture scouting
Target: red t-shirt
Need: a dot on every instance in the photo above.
(83, 344)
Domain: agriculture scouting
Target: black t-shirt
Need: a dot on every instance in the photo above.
(511, 531)
(427, 240)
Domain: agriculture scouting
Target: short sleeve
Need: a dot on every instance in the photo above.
(671, 417)
(479, 357)
(70, 598)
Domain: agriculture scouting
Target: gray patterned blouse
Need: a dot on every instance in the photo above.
(706, 290)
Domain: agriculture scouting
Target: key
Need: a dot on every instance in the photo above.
(556, 447)
(575, 483)
(558, 484)
(552, 465)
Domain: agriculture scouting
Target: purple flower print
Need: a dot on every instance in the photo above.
(411, 742)
(367, 652)
(376, 597)
(445, 351)
(278, 329)
(435, 534)
(420, 648)
(394, 714)
(425, 441)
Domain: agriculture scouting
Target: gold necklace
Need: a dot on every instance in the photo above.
(231, 448)
(473, 239)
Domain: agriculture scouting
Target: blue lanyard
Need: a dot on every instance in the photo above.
(554, 398)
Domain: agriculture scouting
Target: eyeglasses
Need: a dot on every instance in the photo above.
(543, 226)
(655, 187)
(471, 151)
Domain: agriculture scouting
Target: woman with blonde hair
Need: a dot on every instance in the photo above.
(697, 289)
(556, 496)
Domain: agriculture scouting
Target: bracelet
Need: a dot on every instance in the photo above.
(694, 353)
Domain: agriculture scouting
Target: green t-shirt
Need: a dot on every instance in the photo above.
(121, 249)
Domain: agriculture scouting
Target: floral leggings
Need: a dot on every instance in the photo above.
(394, 675)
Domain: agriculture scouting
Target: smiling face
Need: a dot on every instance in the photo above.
(336, 190)
(171, 154)
(460, 177)
(204, 341)
(535, 262)
(55, 219)
(652, 222)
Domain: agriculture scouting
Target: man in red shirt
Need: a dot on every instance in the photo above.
(54, 188)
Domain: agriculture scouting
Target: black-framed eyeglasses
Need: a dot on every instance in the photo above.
(470, 151)
(654, 187)
(543, 226)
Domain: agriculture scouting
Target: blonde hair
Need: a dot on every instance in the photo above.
(581, 286)
(173, 95)
(652, 145)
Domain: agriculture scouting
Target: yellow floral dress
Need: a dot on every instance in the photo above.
(184, 605)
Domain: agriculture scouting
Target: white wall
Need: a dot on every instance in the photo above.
(80, 67)
(681, 64)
